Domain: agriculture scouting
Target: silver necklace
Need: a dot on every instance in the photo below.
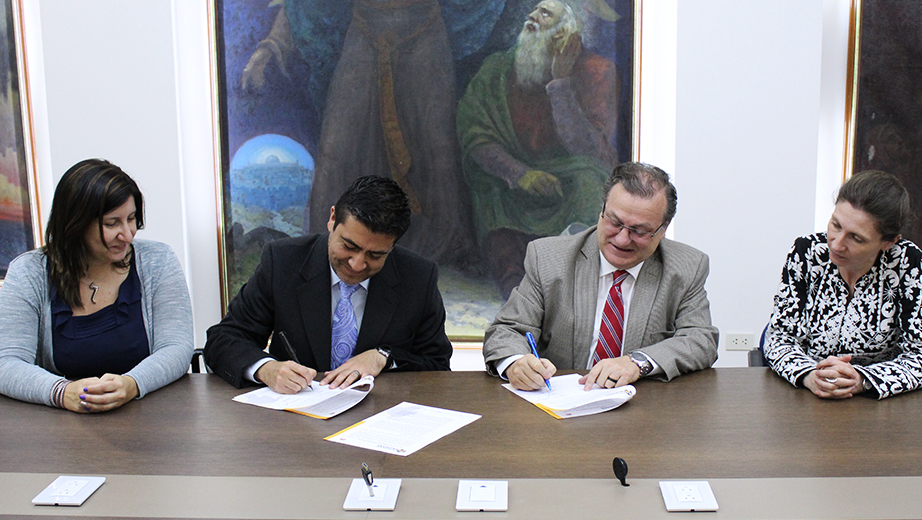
(95, 287)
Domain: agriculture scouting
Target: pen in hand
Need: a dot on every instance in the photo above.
(290, 351)
(534, 350)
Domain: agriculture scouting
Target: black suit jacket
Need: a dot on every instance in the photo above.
(290, 292)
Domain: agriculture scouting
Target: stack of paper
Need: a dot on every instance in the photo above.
(568, 399)
(320, 401)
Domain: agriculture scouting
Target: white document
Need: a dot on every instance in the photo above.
(568, 399)
(403, 429)
(321, 402)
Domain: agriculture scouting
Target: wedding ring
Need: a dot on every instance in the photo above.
(358, 375)
(615, 381)
(833, 380)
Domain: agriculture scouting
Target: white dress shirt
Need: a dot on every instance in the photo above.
(606, 277)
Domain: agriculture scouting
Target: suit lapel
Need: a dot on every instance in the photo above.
(585, 294)
(314, 301)
(644, 293)
(379, 306)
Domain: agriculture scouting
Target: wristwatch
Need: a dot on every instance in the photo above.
(642, 363)
(388, 361)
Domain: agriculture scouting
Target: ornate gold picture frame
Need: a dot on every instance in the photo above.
(20, 225)
(312, 94)
(884, 99)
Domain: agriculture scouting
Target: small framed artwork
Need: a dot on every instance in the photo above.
(500, 119)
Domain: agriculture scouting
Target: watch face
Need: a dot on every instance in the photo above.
(642, 363)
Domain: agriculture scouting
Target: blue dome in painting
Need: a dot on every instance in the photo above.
(271, 174)
(258, 150)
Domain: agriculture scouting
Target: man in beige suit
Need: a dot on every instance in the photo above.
(666, 323)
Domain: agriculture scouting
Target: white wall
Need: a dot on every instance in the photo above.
(121, 81)
(111, 93)
(748, 92)
(754, 85)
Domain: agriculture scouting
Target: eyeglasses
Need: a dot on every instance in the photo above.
(639, 235)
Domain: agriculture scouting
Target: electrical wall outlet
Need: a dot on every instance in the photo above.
(739, 341)
(695, 495)
(687, 493)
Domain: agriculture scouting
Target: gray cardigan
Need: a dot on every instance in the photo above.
(27, 370)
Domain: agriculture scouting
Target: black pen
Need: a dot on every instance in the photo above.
(288, 350)
(291, 352)
(369, 479)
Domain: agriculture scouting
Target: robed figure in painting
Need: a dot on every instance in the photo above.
(537, 129)
(389, 109)
(536, 126)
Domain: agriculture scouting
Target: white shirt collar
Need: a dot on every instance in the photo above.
(334, 279)
(606, 268)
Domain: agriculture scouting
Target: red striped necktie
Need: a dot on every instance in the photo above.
(611, 331)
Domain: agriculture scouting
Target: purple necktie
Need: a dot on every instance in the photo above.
(344, 330)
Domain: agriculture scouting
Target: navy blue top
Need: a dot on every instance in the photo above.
(111, 340)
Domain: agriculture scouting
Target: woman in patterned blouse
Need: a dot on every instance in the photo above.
(848, 313)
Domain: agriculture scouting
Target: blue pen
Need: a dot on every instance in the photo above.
(534, 350)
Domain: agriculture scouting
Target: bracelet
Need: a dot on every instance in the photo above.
(57, 392)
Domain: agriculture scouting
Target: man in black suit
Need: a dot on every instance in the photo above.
(396, 308)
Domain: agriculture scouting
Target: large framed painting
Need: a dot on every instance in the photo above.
(499, 118)
(19, 223)
(885, 95)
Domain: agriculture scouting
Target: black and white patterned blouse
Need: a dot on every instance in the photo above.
(880, 326)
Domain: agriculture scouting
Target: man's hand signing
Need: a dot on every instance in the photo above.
(529, 372)
(285, 377)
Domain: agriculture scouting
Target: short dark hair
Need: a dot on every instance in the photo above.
(880, 195)
(87, 191)
(643, 180)
(377, 203)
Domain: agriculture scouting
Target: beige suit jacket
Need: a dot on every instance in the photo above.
(669, 317)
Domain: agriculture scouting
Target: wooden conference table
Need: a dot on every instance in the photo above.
(769, 451)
